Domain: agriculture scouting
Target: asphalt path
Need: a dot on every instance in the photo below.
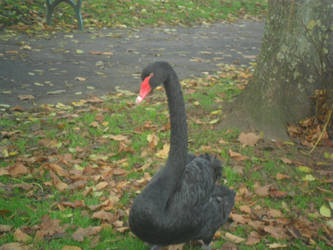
(66, 67)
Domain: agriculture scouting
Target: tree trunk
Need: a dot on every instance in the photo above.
(295, 59)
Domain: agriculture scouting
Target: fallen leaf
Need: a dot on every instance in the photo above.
(5, 228)
(308, 177)
(79, 51)
(261, 190)
(280, 177)
(102, 215)
(49, 227)
(234, 238)
(325, 211)
(277, 194)
(71, 248)
(248, 139)
(4, 171)
(101, 185)
(245, 209)
(152, 140)
(25, 97)
(330, 224)
(286, 160)
(176, 247)
(239, 218)
(61, 186)
(81, 233)
(57, 169)
(229, 246)
(56, 92)
(253, 239)
(304, 169)
(276, 245)
(237, 156)
(18, 169)
(81, 79)
(119, 172)
(21, 236)
(274, 213)
(11, 52)
(164, 152)
(75, 204)
(256, 224)
(277, 232)
(14, 246)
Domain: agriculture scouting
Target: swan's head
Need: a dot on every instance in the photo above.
(152, 76)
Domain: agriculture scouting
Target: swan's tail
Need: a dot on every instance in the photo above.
(227, 198)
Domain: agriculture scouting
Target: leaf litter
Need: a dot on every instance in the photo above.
(72, 151)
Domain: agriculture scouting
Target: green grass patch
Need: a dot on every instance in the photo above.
(84, 170)
(110, 13)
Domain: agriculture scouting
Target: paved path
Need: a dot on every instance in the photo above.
(69, 67)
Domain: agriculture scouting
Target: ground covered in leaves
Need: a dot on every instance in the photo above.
(29, 15)
(69, 173)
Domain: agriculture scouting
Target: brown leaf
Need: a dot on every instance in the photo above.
(61, 186)
(282, 176)
(234, 238)
(21, 236)
(164, 152)
(286, 160)
(256, 224)
(118, 137)
(4, 171)
(81, 233)
(102, 215)
(274, 213)
(277, 194)
(239, 218)
(5, 228)
(57, 169)
(248, 139)
(71, 248)
(153, 141)
(276, 245)
(229, 246)
(245, 209)
(262, 191)
(101, 185)
(26, 97)
(119, 172)
(176, 247)
(75, 204)
(253, 239)
(18, 169)
(49, 227)
(25, 186)
(277, 232)
(14, 246)
(237, 156)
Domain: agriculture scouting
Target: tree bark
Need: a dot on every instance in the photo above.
(295, 59)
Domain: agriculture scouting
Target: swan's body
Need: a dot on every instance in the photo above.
(182, 202)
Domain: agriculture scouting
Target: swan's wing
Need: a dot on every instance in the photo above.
(198, 182)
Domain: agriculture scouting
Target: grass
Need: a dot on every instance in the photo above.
(106, 143)
(29, 16)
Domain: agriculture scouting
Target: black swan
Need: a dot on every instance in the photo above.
(182, 202)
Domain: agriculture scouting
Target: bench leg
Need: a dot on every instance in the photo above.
(76, 7)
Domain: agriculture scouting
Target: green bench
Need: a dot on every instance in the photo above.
(76, 6)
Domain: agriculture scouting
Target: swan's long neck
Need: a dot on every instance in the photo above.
(178, 138)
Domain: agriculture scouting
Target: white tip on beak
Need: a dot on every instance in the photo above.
(139, 99)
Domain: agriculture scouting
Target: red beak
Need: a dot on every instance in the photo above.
(145, 89)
